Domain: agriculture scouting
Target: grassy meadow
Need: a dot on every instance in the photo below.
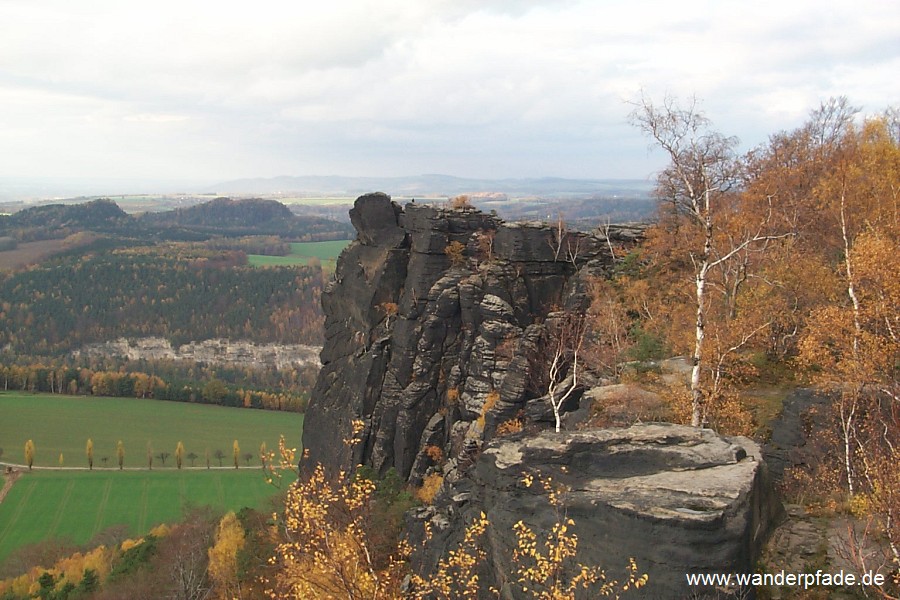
(76, 505)
(301, 253)
(62, 425)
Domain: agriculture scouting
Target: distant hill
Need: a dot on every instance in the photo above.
(250, 216)
(247, 217)
(433, 185)
(97, 212)
(58, 220)
(225, 212)
(221, 216)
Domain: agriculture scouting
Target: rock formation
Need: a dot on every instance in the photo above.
(435, 326)
(431, 312)
(676, 499)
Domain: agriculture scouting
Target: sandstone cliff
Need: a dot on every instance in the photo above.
(431, 349)
(677, 499)
(416, 338)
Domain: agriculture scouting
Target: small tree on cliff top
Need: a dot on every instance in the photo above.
(555, 364)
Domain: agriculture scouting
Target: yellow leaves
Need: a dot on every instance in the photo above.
(455, 251)
(545, 570)
(67, 569)
(325, 550)
(357, 426)
(430, 487)
(161, 530)
(229, 540)
(859, 345)
(455, 575)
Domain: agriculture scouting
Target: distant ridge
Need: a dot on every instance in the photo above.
(432, 185)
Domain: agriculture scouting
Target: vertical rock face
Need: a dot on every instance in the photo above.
(418, 337)
(434, 323)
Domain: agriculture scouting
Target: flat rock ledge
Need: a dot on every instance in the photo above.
(676, 499)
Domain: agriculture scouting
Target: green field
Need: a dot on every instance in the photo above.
(63, 424)
(76, 505)
(301, 253)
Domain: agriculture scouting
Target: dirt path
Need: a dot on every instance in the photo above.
(8, 483)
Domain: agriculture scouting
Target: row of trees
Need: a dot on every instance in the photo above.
(287, 389)
(180, 455)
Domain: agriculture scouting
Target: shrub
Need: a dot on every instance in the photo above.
(455, 251)
(462, 201)
(510, 427)
(430, 487)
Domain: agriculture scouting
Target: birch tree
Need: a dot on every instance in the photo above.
(698, 187)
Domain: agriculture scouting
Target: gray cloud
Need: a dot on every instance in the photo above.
(502, 88)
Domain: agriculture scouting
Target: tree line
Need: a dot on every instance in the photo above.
(286, 389)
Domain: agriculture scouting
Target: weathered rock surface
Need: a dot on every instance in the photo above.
(675, 498)
(216, 351)
(416, 340)
(429, 348)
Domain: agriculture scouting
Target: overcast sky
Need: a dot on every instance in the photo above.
(493, 88)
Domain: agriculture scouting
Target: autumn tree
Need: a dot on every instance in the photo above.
(223, 565)
(698, 200)
(325, 550)
(263, 455)
(556, 367)
(120, 454)
(89, 451)
(852, 344)
(236, 453)
(179, 454)
(29, 453)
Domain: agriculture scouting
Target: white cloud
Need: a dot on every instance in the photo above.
(499, 88)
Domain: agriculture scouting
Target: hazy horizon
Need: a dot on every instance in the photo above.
(208, 91)
(38, 189)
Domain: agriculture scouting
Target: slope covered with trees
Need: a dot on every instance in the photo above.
(182, 293)
(781, 264)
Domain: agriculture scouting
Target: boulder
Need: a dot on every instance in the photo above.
(677, 499)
